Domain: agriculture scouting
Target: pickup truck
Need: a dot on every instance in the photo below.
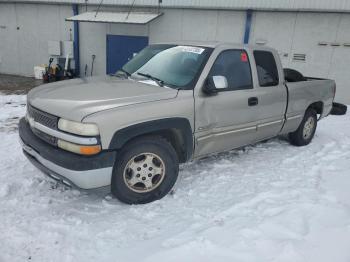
(171, 103)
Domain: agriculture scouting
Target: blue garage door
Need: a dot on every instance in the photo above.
(121, 48)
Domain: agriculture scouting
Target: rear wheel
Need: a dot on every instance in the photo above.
(306, 130)
(146, 170)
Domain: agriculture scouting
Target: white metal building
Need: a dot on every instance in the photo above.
(312, 36)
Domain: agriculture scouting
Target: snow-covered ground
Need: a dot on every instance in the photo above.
(268, 202)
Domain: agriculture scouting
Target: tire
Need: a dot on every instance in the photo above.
(146, 169)
(306, 130)
(338, 109)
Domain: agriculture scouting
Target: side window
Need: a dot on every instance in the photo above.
(266, 68)
(234, 65)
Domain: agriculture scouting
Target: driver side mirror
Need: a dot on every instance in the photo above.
(215, 84)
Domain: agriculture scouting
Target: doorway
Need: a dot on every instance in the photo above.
(121, 48)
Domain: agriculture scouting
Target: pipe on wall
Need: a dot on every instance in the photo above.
(75, 8)
(248, 25)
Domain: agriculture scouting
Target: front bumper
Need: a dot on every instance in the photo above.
(83, 172)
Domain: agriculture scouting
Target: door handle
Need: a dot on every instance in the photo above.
(253, 101)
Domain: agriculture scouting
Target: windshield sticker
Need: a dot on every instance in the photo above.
(192, 49)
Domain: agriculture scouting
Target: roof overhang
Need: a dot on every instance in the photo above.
(141, 18)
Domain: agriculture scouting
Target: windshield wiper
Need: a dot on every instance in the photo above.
(155, 79)
(121, 73)
(125, 72)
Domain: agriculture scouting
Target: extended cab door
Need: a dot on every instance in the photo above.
(270, 92)
(228, 119)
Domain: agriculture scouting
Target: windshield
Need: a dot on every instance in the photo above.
(172, 65)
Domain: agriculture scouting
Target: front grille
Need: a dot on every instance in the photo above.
(43, 118)
(45, 137)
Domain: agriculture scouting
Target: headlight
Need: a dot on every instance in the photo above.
(79, 149)
(83, 129)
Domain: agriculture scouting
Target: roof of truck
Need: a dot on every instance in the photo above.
(215, 44)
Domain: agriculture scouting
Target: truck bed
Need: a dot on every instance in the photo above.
(301, 94)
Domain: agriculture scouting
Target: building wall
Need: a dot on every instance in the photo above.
(289, 32)
(300, 33)
(285, 5)
(173, 25)
(93, 41)
(25, 30)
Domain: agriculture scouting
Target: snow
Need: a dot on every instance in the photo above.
(268, 202)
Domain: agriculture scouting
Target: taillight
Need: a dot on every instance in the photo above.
(334, 89)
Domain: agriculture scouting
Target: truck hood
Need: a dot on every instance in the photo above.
(77, 98)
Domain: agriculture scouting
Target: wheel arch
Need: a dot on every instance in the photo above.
(177, 131)
(317, 106)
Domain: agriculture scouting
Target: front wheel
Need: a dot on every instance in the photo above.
(145, 171)
(306, 130)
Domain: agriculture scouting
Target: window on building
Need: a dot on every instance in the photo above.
(266, 67)
(234, 65)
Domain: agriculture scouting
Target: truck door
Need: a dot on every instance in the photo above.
(228, 119)
(271, 94)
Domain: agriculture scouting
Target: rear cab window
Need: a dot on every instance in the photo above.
(266, 68)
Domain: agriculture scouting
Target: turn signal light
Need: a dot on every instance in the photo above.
(79, 149)
(90, 150)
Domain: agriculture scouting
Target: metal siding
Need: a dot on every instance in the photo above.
(182, 24)
(302, 5)
(199, 25)
(311, 28)
(289, 32)
(9, 59)
(339, 66)
(26, 47)
(276, 30)
(93, 40)
(299, 33)
(168, 27)
(230, 26)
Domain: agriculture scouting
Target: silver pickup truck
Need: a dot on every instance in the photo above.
(170, 104)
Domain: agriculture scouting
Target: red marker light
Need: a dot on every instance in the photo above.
(244, 57)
